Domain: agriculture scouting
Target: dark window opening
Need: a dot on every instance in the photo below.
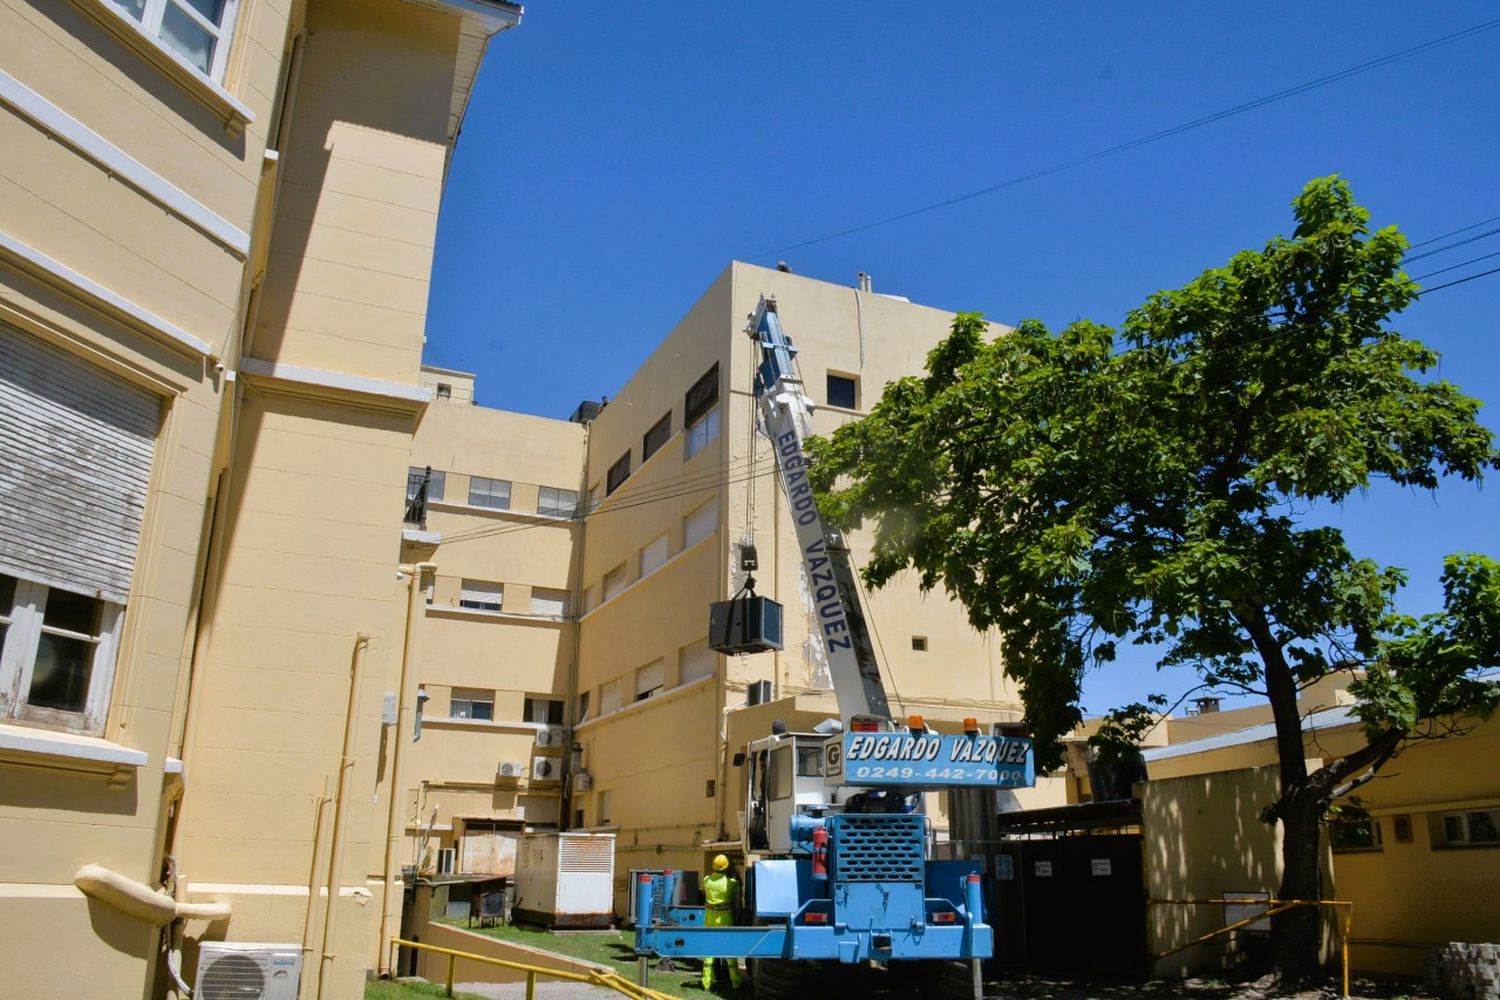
(656, 437)
(702, 397)
(618, 473)
(843, 391)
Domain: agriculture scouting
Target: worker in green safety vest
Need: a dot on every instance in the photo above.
(720, 890)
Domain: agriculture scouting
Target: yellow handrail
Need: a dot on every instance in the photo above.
(1273, 907)
(603, 977)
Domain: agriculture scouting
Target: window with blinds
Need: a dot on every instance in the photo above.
(696, 661)
(553, 603)
(479, 595)
(76, 450)
(492, 493)
(609, 697)
(700, 524)
(656, 437)
(618, 473)
(614, 582)
(649, 680)
(654, 555)
(555, 502)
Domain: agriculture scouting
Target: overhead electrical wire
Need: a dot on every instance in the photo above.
(1166, 133)
(743, 471)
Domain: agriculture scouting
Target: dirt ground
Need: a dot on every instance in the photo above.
(1360, 988)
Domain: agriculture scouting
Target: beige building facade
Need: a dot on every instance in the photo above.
(216, 231)
(670, 483)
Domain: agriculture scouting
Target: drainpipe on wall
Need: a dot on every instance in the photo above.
(580, 535)
(341, 814)
(310, 920)
(394, 827)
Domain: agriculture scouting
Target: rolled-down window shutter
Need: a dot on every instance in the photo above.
(649, 678)
(76, 445)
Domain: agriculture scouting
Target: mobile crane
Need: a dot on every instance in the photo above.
(840, 870)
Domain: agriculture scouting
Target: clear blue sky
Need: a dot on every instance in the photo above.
(617, 156)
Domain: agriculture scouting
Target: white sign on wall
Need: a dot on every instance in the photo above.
(1101, 866)
(1044, 869)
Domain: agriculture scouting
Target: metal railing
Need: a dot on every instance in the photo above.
(417, 484)
(1272, 908)
(594, 977)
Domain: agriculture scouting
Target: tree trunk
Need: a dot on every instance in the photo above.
(1295, 935)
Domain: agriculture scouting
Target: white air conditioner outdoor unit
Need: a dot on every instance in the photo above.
(583, 781)
(509, 769)
(546, 769)
(549, 736)
(235, 970)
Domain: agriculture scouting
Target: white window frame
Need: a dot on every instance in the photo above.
(468, 698)
(150, 22)
(605, 805)
(23, 634)
(447, 858)
(1462, 818)
(470, 593)
(541, 704)
(554, 501)
(435, 483)
(609, 696)
(488, 493)
(702, 433)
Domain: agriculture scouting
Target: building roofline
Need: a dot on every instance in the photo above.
(1330, 718)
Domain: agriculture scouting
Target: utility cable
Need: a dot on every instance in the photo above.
(1455, 267)
(1451, 246)
(1166, 133)
(1465, 229)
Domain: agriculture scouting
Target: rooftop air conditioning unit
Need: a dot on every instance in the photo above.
(235, 970)
(546, 769)
(509, 769)
(549, 736)
(583, 781)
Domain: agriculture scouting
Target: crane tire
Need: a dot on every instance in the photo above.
(780, 979)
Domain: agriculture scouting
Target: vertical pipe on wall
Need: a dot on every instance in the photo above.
(310, 921)
(341, 815)
(394, 828)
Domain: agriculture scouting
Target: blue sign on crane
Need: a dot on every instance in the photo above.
(929, 760)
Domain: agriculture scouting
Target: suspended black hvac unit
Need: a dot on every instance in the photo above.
(744, 624)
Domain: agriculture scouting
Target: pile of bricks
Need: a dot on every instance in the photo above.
(1465, 971)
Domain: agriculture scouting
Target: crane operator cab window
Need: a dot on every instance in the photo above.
(809, 760)
(779, 783)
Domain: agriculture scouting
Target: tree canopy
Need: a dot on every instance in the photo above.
(1152, 484)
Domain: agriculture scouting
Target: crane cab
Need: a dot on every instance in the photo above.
(784, 779)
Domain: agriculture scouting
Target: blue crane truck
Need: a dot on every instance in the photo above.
(839, 867)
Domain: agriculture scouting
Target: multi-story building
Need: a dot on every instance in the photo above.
(673, 485)
(216, 228)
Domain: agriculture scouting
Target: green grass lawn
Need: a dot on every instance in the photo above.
(614, 949)
(409, 991)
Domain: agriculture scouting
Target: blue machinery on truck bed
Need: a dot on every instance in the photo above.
(833, 820)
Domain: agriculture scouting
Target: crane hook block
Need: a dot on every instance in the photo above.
(745, 624)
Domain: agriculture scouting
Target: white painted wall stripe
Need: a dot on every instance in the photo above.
(61, 125)
(97, 294)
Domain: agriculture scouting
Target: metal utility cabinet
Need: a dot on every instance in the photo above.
(565, 879)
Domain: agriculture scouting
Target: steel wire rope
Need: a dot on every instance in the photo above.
(1144, 140)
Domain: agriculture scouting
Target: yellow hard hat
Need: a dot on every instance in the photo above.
(720, 862)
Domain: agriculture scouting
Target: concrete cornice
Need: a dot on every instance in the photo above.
(59, 276)
(341, 387)
(493, 15)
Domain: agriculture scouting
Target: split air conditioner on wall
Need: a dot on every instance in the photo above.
(549, 736)
(583, 781)
(235, 970)
(546, 769)
(509, 769)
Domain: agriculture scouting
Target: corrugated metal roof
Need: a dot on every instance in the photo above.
(1330, 718)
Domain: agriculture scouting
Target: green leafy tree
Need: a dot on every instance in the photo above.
(1152, 484)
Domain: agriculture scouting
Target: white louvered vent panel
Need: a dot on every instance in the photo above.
(586, 854)
(76, 446)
